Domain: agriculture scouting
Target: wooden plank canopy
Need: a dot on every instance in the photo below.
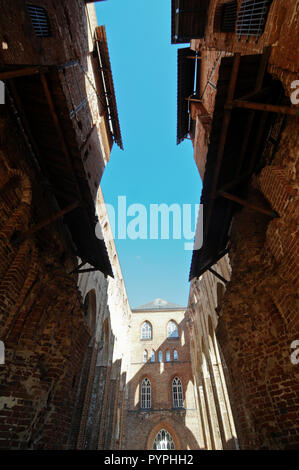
(237, 139)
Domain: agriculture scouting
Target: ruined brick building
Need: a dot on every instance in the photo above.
(161, 410)
(236, 102)
(83, 371)
(63, 305)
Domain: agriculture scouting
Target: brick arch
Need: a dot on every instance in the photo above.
(168, 427)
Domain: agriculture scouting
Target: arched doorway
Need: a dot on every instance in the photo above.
(163, 441)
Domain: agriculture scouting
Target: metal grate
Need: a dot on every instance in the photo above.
(228, 17)
(40, 20)
(252, 17)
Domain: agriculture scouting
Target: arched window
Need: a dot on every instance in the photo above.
(90, 308)
(167, 356)
(145, 357)
(172, 330)
(153, 356)
(177, 393)
(163, 441)
(175, 355)
(146, 330)
(160, 356)
(146, 393)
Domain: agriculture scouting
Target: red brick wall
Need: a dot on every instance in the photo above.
(259, 319)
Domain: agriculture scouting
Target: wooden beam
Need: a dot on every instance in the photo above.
(19, 73)
(244, 203)
(78, 267)
(198, 57)
(222, 140)
(90, 270)
(49, 220)
(195, 100)
(217, 275)
(232, 184)
(263, 107)
(59, 130)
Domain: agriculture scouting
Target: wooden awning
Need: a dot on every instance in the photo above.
(186, 67)
(246, 104)
(43, 110)
(106, 77)
(188, 20)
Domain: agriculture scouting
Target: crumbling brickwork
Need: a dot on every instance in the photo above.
(259, 318)
(217, 429)
(53, 322)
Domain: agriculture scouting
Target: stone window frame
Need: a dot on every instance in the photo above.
(153, 356)
(145, 394)
(145, 356)
(172, 322)
(160, 356)
(177, 393)
(167, 356)
(144, 337)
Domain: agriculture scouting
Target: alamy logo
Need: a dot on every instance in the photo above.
(156, 222)
(2, 353)
(295, 354)
(295, 94)
(2, 92)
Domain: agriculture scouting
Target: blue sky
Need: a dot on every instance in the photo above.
(152, 168)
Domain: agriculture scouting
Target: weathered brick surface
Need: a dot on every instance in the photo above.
(259, 317)
(54, 378)
(281, 32)
(141, 426)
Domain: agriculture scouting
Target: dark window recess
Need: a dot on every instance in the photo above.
(229, 17)
(40, 20)
(252, 17)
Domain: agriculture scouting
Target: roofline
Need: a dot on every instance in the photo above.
(154, 310)
(101, 38)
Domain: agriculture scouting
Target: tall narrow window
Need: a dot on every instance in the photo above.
(40, 20)
(145, 357)
(153, 356)
(167, 356)
(177, 393)
(146, 394)
(146, 330)
(160, 356)
(163, 441)
(172, 330)
(175, 355)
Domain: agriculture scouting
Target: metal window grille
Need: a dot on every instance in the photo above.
(252, 17)
(163, 441)
(229, 17)
(177, 393)
(146, 331)
(40, 21)
(146, 394)
(172, 330)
